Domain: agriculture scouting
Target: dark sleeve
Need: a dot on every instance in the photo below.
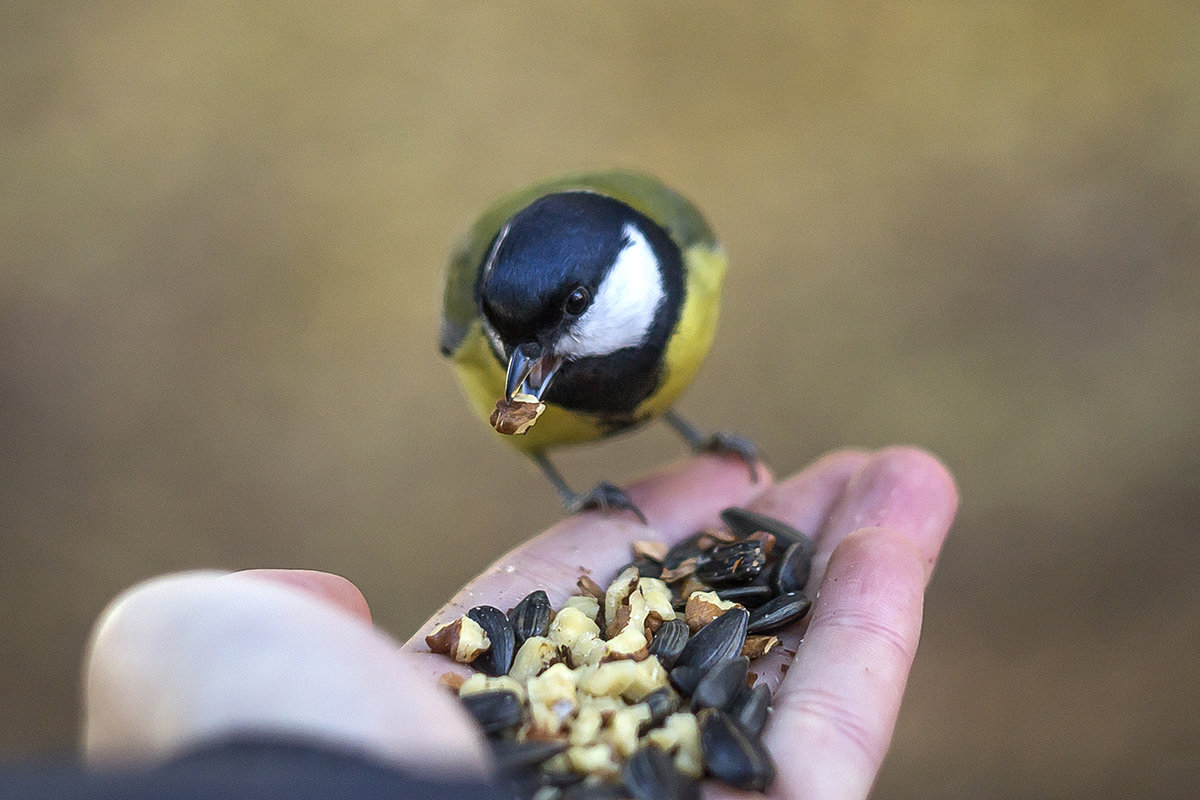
(242, 770)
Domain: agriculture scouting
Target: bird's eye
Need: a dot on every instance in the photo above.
(577, 301)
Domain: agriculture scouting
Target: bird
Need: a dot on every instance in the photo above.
(592, 297)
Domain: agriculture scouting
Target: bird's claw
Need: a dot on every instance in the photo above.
(606, 497)
(730, 444)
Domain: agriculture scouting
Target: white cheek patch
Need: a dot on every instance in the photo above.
(624, 307)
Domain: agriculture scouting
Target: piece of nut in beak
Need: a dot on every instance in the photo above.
(515, 417)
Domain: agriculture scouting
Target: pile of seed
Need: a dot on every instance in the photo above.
(643, 688)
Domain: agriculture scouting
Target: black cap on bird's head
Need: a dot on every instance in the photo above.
(579, 294)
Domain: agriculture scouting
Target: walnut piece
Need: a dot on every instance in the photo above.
(515, 417)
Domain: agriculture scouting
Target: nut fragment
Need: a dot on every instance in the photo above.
(680, 735)
(759, 645)
(619, 591)
(515, 417)
(703, 607)
(535, 655)
(480, 683)
(589, 605)
(462, 639)
(649, 548)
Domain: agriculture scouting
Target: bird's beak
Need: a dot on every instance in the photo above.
(530, 371)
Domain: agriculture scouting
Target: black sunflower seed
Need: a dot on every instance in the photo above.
(595, 790)
(682, 551)
(499, 657)
(744, 522)
(791, 573)
(720, 639)
(494, 710)
(735, 562)
(647, 567)
(748, 594)
(650, 774)
(669, 641)
(686, 679)
(663, 703)
(750, 708)
(721, 684)
(530, 617)
(512, 755)
(775, 614)
(731, 754)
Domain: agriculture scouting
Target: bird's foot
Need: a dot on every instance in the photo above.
(606, 497)
(730, 444)
(721, 442)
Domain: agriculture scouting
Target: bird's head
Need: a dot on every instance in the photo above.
(579, 293)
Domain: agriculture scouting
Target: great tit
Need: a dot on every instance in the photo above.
(595, 294)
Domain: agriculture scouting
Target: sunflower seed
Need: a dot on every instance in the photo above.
(498, 659)
(722, 638)
(650, 774)
(731, 563)
(721, 684)
(750, 708)
(646, 567)
(731, 754)
(600, 790)
(683, 550)
(686, 679)
(784, 609)
(530, 617)
(669, 641)
(513, 755)
(791, 573)
(663, 702)
(494, 710)
(745, 522)
(750, 595)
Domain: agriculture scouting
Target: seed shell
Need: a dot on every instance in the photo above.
(686, 679)
(650, 774)
(663, 702)
(494, 710)
(745, 522)
(791, 573)
(683, 550)
(498, 659)
(751, 707)
(669, 641)
(731, 754)
(512, 755)
(722, 638)
(721, 684)
(530, 617)
(784, 609)
(731, 563)
(750, 595)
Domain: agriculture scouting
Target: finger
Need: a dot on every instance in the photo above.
(805, 500)
(836, 709)
(188, 658)
(902, 488)
(333, 589)
(678, 501)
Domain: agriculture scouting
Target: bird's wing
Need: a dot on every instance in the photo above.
(460, 309)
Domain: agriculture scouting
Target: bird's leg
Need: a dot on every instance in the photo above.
(604, 496)
(722, 442)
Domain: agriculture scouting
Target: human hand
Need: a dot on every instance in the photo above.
(879, 521)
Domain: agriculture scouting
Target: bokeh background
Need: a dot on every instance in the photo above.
(968, 226)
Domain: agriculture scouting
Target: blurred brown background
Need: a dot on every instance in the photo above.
(970, 226)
